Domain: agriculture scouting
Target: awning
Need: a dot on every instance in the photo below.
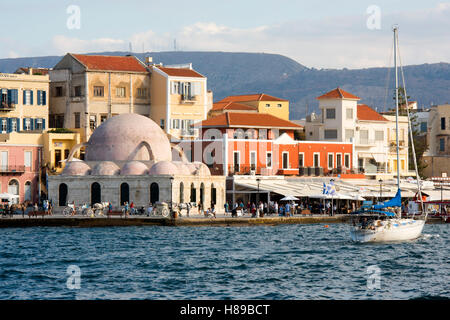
(379, 158)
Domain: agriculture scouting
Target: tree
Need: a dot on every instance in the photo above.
(420, 141)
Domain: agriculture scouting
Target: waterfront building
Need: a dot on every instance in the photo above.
(86, 90)
(23, 102)
(342, 119)
(179, 99)
(20, 162)
(437, 158)
(129, 159)
(261, 102)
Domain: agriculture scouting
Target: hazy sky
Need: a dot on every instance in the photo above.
(320, 34)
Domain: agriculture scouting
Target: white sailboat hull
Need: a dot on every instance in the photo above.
(392, 230)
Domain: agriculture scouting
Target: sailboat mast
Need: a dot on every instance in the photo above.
(396, 111)
(396, 104)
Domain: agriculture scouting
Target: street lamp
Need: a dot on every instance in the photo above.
(257, 196)
(381, 189)
(171, 181)
(332, 207)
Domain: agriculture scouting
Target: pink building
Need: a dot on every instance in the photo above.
(19, 170)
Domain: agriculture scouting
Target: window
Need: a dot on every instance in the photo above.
(423, 126)
(92, 122)
(120, 92)
(442, 144)
(338, 160)
(4, 126)
(236, 161)
(39, 125)
(331, 134)
(364, 136)
(175, 123)
(347, 160)
(267, 105)
(66, 153)
(349, 113)
(175, 87)
(316, 160)
(269, 159)
(78, 91)
(58, 91)
(142, 92)
(77, 120)
(41, 98)
(14, 124)
(103, 118)
(379, 135)
(301, 162)
(98, 91)
(331, 113)
(161, 123)
(330, 161)
(442, 123)
(253, 160)
(27, 97)
(58, 158)
(27, 191)
(27, 125)
(285, 160)
(28, 155)
(181, 192)
(349, 134)
(279, 105)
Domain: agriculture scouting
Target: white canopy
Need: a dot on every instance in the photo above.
(289, 198)
(8, 196)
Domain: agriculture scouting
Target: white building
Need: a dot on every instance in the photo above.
(342, 119)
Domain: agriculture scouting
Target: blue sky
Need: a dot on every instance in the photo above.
(321, 34)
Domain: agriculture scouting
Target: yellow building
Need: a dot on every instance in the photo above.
(263, 103)
(23, 102)
(57, 145)
(88, 89)
(179, 99)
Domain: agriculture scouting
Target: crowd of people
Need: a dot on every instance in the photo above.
(8, 209)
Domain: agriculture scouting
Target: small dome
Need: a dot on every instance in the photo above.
(105, 168)
(76, 168)
(163, 167)
(134, 168)
(183, 169)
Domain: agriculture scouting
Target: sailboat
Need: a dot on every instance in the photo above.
(384, 222)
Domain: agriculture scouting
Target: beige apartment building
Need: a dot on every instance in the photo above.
(85, 90)
(179, 99)
(23, 102)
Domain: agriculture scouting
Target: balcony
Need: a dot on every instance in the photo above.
(8, 169)
(6, 107)
(243, 170)
(189, 133)
(188, 98)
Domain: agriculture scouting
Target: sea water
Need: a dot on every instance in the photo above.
(259, 262)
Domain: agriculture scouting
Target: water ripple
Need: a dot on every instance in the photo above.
(278, 262)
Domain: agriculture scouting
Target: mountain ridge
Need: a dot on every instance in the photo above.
(232, 73)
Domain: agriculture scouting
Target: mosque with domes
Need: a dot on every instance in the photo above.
(129, 159)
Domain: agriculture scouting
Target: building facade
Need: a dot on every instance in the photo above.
(20, 162)
(263, 103)
(342, 119)
(86, 90)
(179, 99)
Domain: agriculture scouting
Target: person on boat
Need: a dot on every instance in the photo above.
(364, 223)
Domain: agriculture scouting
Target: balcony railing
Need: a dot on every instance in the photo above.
(185, 98)
(12, 169)
(244, 170)
(189, 133)
(5, 107)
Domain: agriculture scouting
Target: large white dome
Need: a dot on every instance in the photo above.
(128, 137)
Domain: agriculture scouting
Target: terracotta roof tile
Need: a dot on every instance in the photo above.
(181, 72)
(364, 112)
(231, 106)
(252, 97)
(113, 63)
(338, 93)
(246, 120)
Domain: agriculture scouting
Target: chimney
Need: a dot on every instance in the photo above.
(30, 71)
